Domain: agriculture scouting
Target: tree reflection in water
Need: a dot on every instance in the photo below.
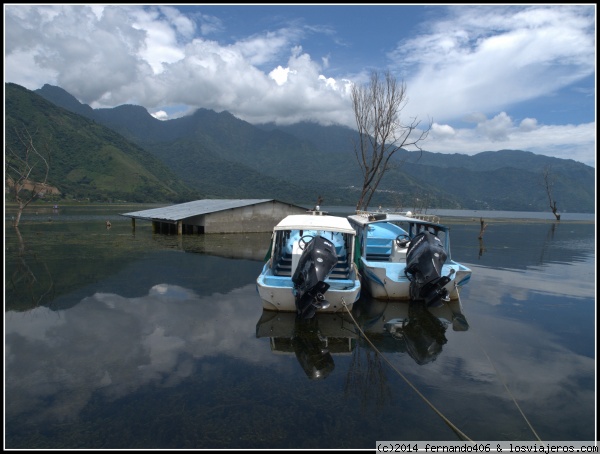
(397, 327)
(367, 380)
(30, 283)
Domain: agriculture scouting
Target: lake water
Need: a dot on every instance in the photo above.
(122, 339)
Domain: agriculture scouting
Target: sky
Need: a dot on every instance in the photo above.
(486, 77)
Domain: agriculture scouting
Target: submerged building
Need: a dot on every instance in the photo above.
(217, 216)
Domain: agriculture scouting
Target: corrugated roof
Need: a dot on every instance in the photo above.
(186, 210)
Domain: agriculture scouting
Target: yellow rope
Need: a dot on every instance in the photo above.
(511, 396)
(502, 381)
(446, 420)
(452, 426)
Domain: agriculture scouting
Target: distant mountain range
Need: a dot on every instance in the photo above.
(124, 153)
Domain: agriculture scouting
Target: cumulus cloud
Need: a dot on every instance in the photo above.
(279, 75)
(160, 115)
(528, 124)
(496, 129)
(466, 64)
(442, 131)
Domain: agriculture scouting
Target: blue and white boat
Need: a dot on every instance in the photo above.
(310, 266)
(402, 257)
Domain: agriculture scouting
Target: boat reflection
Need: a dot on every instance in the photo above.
(410, 326)
(313, 341)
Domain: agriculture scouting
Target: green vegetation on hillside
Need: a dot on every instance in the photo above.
(124, 154)
(89, 161)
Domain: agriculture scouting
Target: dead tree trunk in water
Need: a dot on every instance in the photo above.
(483, 227)
(548, 183)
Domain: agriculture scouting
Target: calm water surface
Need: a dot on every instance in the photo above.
(117, 338)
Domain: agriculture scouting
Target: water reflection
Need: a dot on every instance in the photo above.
(422, 333)
(246, 246)
(519, 245)
(410, 327)
(113, 345)
(142, 344)
(313, 341)
(29, 281)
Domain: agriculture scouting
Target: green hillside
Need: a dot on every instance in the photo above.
(219, 155)
(88, 160)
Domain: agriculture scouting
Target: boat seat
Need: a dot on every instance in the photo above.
(340, 271)
(378, 257)
(379, 249)
(283, 267)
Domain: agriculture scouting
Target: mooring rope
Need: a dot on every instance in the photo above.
(446, 420)
(501, 379)
(511, 396)
(461, 435)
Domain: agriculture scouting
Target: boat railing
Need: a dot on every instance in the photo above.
(423, 217)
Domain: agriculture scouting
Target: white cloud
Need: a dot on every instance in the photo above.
(496, 129)
(530, 53)
(473, 63)
(442, 131)
(279, 75)
(160, 115)
(528, 124)
(546, 140)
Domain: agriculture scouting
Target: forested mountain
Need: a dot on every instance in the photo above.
(88, 161)
(218, 155)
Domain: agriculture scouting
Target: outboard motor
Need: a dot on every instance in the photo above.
(424, 260)
(315, 264)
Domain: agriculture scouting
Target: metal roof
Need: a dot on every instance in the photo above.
(315, 222)
(186, 210)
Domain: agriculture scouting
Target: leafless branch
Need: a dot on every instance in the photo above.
(377, 108)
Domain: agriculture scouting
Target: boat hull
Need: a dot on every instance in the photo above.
(276, 293)
(387, 281)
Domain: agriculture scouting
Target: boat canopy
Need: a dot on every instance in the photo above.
(366, 220)
(315, 222)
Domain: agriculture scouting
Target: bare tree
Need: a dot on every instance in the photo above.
(377, 108)
(26, 172)
(549, 180)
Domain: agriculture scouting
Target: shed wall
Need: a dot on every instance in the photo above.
(257, 218)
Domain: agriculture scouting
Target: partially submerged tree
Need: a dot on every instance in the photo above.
(377, 107)
(26, 172)
(549, 180)
(482, 229)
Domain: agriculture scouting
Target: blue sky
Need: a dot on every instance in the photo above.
(489, 77)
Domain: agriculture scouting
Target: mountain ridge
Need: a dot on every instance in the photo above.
(302, 161)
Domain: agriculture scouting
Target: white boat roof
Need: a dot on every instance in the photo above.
(363, 219)
(315, 222)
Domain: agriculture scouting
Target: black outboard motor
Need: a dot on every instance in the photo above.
(315, 264)
(424, 260)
